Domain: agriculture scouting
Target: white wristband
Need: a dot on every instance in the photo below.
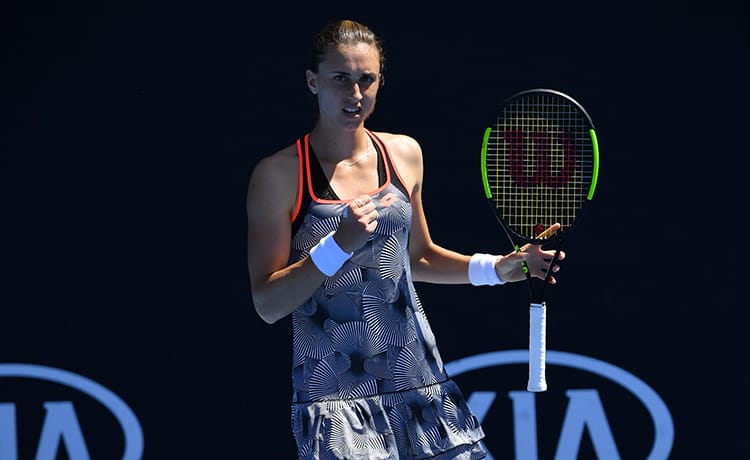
(482, 270)
(328, 256)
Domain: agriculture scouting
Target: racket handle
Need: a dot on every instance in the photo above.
(537, 347)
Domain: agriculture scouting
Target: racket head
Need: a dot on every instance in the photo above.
(540, 163)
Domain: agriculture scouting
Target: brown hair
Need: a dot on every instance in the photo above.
(345, 32)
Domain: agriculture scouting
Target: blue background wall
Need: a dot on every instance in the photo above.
(132, 132)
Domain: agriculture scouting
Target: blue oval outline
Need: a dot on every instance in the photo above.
(660, 415)
(122, 412)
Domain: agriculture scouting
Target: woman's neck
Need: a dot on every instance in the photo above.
(339, 145)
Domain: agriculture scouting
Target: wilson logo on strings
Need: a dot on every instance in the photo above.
(539, 169)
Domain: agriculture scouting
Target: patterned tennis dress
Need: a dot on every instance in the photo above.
(368, 381)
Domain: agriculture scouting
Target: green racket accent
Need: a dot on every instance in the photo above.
(525, 267)
(486, 184)
(595, 172)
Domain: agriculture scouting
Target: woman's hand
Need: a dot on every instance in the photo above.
(509, 267)
(357, 224)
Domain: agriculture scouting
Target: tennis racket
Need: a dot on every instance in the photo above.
(540, 164)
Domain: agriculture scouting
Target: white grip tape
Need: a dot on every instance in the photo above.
(537, 347)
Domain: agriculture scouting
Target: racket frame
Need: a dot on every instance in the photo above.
(538, 309)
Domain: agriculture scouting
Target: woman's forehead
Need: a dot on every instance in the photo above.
(359, 55)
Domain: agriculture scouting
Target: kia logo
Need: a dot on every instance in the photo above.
(584, 407)
(60, 422)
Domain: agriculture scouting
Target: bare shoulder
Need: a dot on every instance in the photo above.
(402, 147)
(407, 156)
(277, 166)
(274, 179)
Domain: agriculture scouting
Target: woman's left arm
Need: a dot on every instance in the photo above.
(429, 261)
(433, 263)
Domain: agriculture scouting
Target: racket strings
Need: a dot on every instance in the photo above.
(539, 163)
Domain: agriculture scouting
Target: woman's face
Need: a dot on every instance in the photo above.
(347, 83)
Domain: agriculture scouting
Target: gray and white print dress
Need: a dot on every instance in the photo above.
(368, 381)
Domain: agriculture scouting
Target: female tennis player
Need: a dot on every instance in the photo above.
(336, 237)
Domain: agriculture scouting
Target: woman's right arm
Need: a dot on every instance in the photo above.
(277, 287)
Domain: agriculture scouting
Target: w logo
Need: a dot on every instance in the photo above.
(540, 158)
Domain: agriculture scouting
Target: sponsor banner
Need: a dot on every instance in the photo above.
(72, 411)
(592, 408)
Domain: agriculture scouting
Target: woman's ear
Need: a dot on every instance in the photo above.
(312, 81)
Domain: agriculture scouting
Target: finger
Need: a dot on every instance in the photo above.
(548, 255)
(360, 201)
(364, 199)
(359, 208)
(372, 225)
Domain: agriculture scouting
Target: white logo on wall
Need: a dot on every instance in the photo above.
(585, 408)
(60, 421)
